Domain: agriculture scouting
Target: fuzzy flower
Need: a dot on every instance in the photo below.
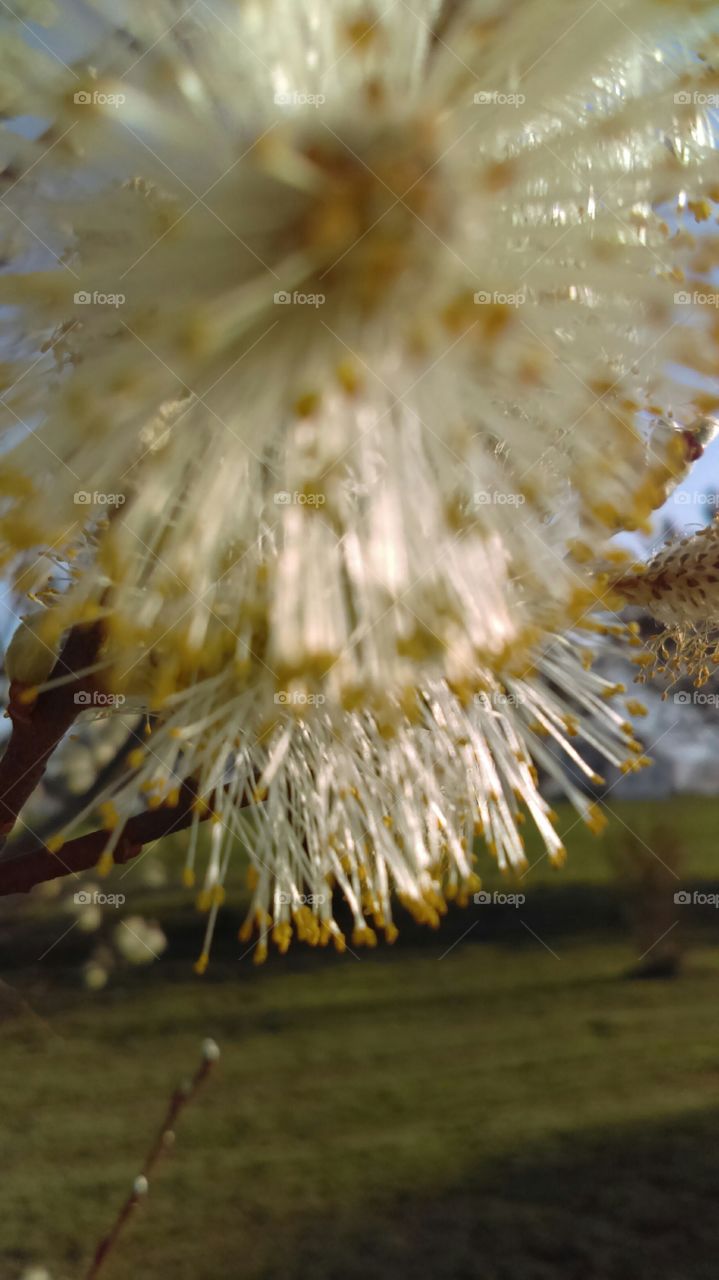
(679, 589)
(336, 339)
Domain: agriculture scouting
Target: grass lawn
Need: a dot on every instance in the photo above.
(512, 1110)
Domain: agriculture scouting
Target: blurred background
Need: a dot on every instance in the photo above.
(530, 1092)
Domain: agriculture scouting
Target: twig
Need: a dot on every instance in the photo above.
(34, 737)
(37, 731)
(20, 874)
(162, 1143)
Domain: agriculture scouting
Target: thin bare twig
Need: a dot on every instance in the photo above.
(163, 1142)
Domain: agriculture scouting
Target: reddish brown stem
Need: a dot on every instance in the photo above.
(37, 729)
(21, 873)
(36, 732)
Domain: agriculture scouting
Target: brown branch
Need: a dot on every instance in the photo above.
(38, 728)
(162, 1143)
(36, 732)
(21, 873)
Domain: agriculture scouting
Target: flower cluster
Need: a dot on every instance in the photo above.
(336, 340)
(678, 588)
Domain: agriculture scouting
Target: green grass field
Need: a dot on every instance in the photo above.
(503, 1105)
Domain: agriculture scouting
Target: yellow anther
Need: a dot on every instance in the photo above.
(307, 404)
(643, 660)
(348, 377)
(595, 819)
(635, 707)
(109, 815)
(105, 865)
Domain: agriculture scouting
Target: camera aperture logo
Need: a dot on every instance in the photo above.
(495, 298)
(496, 698)
(686, 99)
(498, 899)
(496, 98)
(296, 900)
(695, 898)
(687, 499)
(297, 299)
(698, 298)
(93, 898)
(490, 498)
(96, 98)
(83, 298)
(292, 98)
(298, 698)
(695, 697)
(85, 698)
(283, 498)
(83, 498)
